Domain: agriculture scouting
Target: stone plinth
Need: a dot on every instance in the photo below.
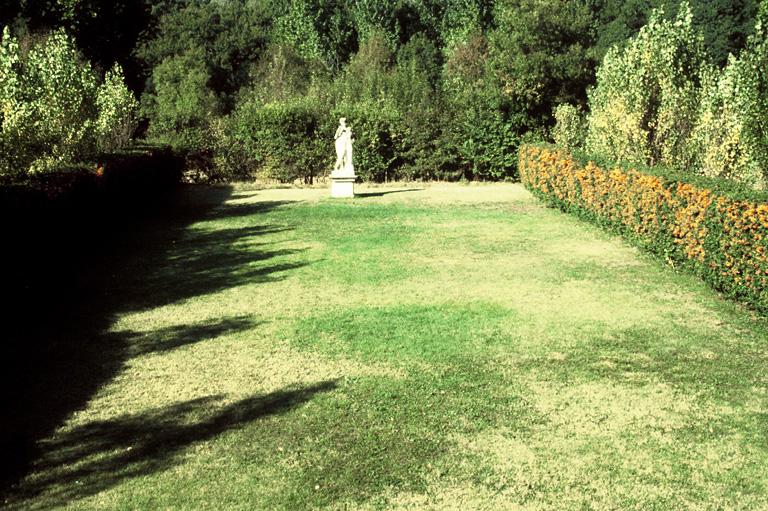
(342, 185)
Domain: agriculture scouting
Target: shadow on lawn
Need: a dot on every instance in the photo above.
(71, 275)
(99, 455)
(364, 195)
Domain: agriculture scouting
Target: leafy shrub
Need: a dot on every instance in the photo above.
(423, 151)
(284, 141)
(117, 108)
(644, 105)
(230, 158)
(485, 142)
(730, 139)
(138, 174)
(128, 180)
(377, 131)
(53, 110)
(714, 228)
(571, 127)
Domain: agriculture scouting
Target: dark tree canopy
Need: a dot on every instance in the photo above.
(445, 82)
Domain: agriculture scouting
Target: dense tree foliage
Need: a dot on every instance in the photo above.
(106, 31)
(644, 106)
(542, 55)
(53, 110)
(433, 89)
(659, 100)
(724, 24)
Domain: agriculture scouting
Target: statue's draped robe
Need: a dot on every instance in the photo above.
(343, 148)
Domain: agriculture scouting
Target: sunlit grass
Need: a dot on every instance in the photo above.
(448, 347)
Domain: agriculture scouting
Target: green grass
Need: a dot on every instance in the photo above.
(451, 347)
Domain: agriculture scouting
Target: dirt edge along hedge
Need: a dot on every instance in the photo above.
(716, 230)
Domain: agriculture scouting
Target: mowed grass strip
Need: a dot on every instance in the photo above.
(440, 347)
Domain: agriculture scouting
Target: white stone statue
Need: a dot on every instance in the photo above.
(343, 175)
(343, 141)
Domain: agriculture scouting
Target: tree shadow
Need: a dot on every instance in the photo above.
(246, 209)
(366, 195)
(166, 339)
(72, 273)
(94, 457)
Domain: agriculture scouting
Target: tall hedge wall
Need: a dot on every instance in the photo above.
(717, 230)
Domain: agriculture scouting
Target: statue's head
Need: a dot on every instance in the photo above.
(342, 121)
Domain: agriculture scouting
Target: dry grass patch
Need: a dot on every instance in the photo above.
(418, 347)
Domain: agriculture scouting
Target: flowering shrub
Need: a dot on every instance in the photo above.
(715, 229)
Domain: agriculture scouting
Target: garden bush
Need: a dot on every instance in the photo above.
(139, 174)
(715, 228)
(53, 110)
(76, 203)
(571, 128)
(377, 129)
(644, 106)
(283, 141)
(730, 139)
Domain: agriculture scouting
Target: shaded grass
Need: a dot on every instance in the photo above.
(436, 348)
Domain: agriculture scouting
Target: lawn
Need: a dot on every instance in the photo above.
(421, 347)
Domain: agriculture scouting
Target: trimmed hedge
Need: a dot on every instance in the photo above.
(139, 174)
(717, 230)
(285, 141)
(122, 185)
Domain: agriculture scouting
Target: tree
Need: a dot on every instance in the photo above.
(52, 109)
(117, 109)
(320, 30)
(228, 37)
(482, 137)
(181, 103)
(617, 21)
(280, 75)
(731, 135)
(462, 18)
(105, 31)
(643, 108)
(726, 25)
(377, 18)
(540, 54)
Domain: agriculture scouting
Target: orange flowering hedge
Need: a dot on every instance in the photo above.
(715, 229)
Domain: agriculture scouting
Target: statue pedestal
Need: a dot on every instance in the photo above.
(343, 185)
